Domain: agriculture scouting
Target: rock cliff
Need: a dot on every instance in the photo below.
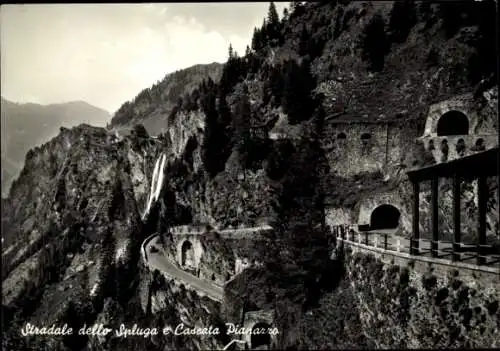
(314, 115)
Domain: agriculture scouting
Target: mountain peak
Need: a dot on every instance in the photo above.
(27, 125)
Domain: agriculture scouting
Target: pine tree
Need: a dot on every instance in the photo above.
(450, 12)
(338, 22)
(276, 83)
(241, 123)
(402, 19)
(210, 134)
(374, 43)
(296, 8)
(304, 41)
(256, 40)
(482, 64)
(140, 131)
(298, 85)
(285, 15)
(264, 35)
(215, 144)
(272, 15)
(230, 51)
(299, 208)
(247, 51)
(273, 26)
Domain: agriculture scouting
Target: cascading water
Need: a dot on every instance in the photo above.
(155, 183)
(159, 182)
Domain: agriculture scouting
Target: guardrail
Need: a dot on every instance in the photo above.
(440, 249)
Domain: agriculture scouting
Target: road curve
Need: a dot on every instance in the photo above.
(158, 260)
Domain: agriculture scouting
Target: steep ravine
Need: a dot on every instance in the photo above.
(72, 224)
(84, 248)
(88, 222)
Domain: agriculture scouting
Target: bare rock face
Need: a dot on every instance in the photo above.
(186, 135)
(83, 224)
(183, 309)
(25, 126)
(80, 197)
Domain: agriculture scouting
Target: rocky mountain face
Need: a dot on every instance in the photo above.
(245, 144)
(25, 126)
(80, 229)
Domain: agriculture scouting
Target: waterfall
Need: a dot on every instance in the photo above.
(156, 182)
(159, 182)
(152, 188)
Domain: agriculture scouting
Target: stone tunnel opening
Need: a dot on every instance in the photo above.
(260, 336)
(341, 136)
(187, 254)
(385, 217)
(453, 123)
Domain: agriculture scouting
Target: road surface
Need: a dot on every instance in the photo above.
(158, 260)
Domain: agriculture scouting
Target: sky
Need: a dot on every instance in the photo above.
(105, 54)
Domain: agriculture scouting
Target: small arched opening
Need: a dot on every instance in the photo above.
(366, 136)
(453, 123)
(365, 139)
(213, 277)
(187, 254)
(445, 150)
(260, 335)
(431, 145)
(385, 217)
(341, 136)
(480, 144)
(460, 147)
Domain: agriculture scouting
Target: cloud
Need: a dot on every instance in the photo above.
(105, 54)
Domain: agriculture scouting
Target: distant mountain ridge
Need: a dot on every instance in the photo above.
(152, 106)
(27, 125)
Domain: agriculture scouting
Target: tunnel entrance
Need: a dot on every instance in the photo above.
(260, 335)
(187, 254)
(453, 123)
(341, 136)
(384, 217)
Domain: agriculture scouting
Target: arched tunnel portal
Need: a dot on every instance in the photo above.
(187, 254)
(385, 217)
(261, 338)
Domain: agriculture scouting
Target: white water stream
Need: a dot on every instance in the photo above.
(156, 183)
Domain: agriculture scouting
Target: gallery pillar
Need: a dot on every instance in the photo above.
(482, 190)
(456, 218)
(415, 242)
(434, 217)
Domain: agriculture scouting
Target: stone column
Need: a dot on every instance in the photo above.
(415, 242)
(482, 190)
(434, 216)
(456, 218)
